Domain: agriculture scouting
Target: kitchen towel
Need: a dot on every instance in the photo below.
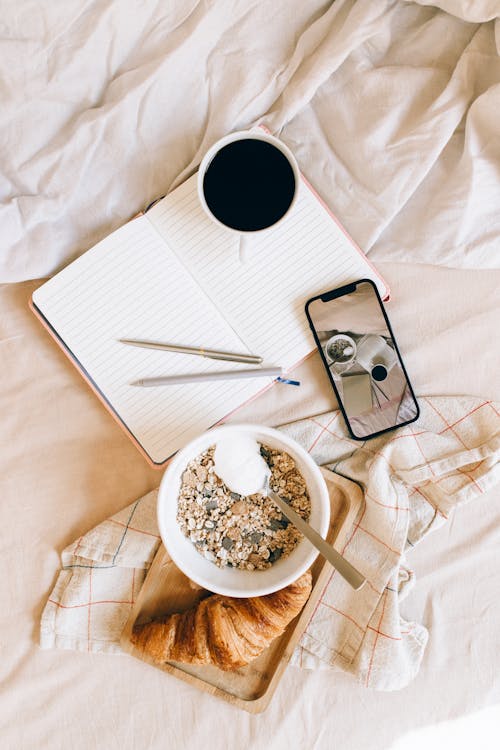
(412, 479)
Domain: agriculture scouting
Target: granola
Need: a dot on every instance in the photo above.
(247, 532)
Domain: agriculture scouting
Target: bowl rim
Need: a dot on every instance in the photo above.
(336, 337)
(164, 494)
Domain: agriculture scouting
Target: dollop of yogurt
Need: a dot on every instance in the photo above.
(238, 462)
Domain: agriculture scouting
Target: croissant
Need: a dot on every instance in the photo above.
(224, 631)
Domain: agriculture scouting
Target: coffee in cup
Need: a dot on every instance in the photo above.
(248, 182)
(379, 372)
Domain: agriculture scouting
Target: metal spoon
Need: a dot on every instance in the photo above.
(346, 570)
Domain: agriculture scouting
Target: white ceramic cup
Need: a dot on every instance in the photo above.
(233, 581)
(240, 136)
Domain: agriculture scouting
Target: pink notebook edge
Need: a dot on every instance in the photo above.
(318, 197)
(114, 414)
(344, 231)
(93, 386)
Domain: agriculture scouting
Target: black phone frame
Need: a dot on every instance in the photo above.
(341, 292)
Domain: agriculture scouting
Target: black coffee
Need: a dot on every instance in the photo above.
(249, 185)
(379, 373)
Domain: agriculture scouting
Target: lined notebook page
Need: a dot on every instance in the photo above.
(131, 286)
(263, 293)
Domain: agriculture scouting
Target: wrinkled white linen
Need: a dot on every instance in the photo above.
(390, 107)
(85, 87)
(65, 467)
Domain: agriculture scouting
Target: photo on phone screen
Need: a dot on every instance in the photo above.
(362, 359)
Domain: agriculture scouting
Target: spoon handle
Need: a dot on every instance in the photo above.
(346, 570)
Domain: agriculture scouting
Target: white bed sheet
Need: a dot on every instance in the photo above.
(65, 465)
(390, 106)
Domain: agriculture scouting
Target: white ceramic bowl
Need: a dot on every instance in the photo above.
(340, 337)
(232, 581)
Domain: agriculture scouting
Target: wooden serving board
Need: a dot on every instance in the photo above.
(166, 590)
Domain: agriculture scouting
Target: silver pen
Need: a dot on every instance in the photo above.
(198, 377)
(249, 359)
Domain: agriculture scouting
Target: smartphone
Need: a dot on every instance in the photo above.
(360, 354)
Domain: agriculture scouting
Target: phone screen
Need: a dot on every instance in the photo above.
(362, 359)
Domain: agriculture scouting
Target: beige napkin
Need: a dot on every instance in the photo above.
(412, 479)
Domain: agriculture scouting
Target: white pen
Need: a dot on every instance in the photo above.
(198, 377)
(249, 359)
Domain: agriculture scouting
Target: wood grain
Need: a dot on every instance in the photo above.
(166, 589)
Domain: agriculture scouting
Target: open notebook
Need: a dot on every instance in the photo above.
(172, 275)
